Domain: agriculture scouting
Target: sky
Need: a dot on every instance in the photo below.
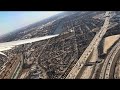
(12, 20)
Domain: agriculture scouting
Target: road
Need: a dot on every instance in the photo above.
(9, 68)
(18, 68)
(108, 68)
(95, 42)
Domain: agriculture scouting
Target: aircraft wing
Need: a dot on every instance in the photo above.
(9, 45)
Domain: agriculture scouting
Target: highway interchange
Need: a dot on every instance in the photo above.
(86, 67)
(85, 56)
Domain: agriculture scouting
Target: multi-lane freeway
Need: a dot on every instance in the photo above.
(85, 57)
(86, 67)
(10, 68)
(108, 69)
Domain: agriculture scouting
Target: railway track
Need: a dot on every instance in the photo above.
(85, 56)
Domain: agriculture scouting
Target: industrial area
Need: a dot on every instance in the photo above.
(87, 47)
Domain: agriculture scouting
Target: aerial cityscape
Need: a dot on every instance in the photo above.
(65, 45)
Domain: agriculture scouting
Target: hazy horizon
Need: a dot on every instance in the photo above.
(12, 20)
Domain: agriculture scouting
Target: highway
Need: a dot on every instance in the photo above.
(108, 69)
(18, 68)
(85, 57)
(83, 68)
(9, 68)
